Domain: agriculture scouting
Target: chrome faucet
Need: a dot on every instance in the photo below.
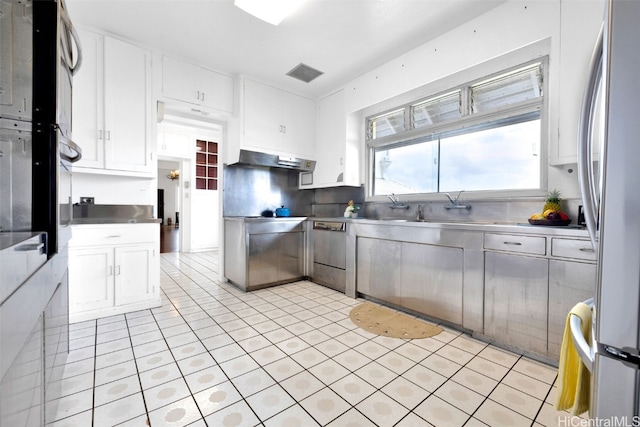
(396, 203)
(455, 202)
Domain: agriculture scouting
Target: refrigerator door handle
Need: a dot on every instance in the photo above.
(627, 356)
(585, 351)
(585, 138)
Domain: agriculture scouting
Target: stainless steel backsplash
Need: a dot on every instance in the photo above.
(249, 190)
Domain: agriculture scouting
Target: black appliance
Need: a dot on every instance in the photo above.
(38, 55)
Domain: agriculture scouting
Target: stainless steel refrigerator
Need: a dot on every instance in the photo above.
(610, 187)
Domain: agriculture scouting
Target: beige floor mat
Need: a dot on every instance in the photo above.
(383, 321)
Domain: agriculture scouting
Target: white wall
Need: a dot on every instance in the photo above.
(568, 28)
(114, 189)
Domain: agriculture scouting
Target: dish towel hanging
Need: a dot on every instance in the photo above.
(574, 379)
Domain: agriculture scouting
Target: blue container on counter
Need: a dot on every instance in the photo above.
(282, 211)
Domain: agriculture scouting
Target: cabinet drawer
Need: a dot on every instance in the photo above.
(113, 235)
(572, 248)
(516, 243)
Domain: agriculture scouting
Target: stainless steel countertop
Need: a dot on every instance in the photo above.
(84, 221)
(113, 214)
(487, 226)
(265, 219)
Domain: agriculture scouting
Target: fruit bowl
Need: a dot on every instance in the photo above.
(550, 222)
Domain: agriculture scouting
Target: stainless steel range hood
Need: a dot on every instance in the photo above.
(256, 158)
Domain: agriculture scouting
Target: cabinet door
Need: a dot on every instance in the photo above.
(291, 251)
(261, 116)
(91, 273)
(263, 259)
(379, 269)
(432, 280)
(331, 141)
(174, 145)
(569, 284)
(516, 295)
(179, 80)
(88, 109)
(133, 273)
(299, 124)
(127, 107)
(216, 90)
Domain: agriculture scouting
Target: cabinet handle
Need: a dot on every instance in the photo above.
(113, 236)
(110, 271)
(590, 250)
(202, 96)
(100, 134)
(117, 270)
(513, 243)
(285, 129)
(108, 135)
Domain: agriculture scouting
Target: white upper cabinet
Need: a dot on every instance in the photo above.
(277, 121)
(174, 145)
(337, 156)
(112, 112)
(190, 83)
(579, 27)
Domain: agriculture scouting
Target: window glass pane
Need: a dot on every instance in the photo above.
(502, 158)
(517, 86)
(385, 125)
(406, 170)
(436, 110)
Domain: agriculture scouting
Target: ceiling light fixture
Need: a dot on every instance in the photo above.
(271, 11)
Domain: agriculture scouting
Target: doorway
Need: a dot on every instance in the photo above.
(168, 204)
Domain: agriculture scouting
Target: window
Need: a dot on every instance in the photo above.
(483, 136)
(206, 165)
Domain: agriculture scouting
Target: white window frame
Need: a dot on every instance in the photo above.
(463, 83)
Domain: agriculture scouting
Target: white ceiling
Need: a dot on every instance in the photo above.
(342, 38)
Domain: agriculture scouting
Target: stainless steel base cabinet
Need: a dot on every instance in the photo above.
(275, 258)
(515, 298)
(423, 278)
(379, 271)
(569, 283)
(432, 280)
(260, 252)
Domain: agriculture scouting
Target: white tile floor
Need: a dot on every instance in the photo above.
(285, 356)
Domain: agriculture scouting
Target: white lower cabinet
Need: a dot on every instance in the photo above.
(113, 278)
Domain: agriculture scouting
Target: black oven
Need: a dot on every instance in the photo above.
(55, 60)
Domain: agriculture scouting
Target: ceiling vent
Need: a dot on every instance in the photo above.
(304, 72)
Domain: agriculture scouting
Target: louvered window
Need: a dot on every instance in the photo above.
(508, 89)
(486, 135)
(387, 124)
(437, 110)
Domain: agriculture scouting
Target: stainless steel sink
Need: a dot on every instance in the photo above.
(444, 221)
